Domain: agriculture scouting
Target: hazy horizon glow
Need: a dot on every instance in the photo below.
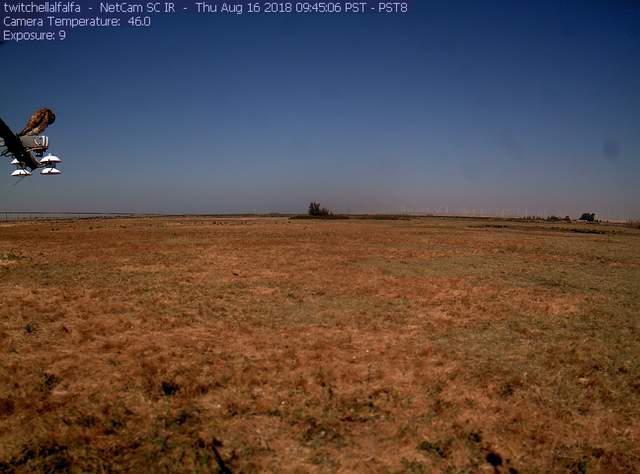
(488, 107)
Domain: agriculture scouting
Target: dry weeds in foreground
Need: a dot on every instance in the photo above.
(309, 346)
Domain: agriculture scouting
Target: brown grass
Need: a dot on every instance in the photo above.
(319, 346)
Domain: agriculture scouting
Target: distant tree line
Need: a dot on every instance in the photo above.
(588, 217)
(548, 218)
(316, 211)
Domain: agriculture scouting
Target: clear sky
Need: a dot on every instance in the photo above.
(494, 106)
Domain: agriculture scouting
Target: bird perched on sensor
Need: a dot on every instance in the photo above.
(38, 122)
(27, 146)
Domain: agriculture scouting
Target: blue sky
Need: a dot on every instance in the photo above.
(493, 106)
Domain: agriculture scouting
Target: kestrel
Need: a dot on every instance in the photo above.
(38, 122)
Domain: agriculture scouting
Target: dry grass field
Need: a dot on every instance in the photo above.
(417, 345)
